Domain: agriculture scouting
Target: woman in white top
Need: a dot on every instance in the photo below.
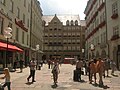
(7, 78)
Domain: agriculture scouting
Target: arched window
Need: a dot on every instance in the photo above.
(76, 22)
(67, 22)
(72, 23)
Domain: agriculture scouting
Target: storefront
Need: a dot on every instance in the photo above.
(8, 54)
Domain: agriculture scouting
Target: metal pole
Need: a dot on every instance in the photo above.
(6, 53)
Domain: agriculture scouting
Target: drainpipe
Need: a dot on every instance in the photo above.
(30, 30)
(106, 30)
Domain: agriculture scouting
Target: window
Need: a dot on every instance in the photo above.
(18, 12)
(17, 34)
(11, 6)
(28, 7)
(28, 23)
(1, 25)
(24, 3)
(55, 28)
(116, 30)
(27, 39)
(114, 8)
(76, 23)
(69, 47)
(24, 18)
(23, 37)
(67, 22)
(3, 2)
(73, 47)
(72, 23)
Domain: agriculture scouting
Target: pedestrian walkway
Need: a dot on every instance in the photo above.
(44, 80)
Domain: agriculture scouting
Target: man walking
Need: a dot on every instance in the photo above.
(32, 70)
(79, 66)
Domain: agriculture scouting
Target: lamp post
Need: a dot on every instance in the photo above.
(92, 47)
(37, 49)
(7, 35)
(83, 50)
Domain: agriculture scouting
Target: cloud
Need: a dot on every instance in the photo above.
(51, 7)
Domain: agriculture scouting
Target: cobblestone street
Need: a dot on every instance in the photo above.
(65, 82)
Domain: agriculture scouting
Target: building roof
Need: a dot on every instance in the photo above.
(62, 18)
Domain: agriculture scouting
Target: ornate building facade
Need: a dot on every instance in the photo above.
(63, 36)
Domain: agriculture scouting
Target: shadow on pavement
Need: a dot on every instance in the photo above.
(101, 86)
(83, 81)
(108, 77)
(114, 75)
(29, 83)
(54, 86)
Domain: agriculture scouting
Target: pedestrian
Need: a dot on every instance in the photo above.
(32, 70)
(49, 62)
(79, 65)
(15, 65)
(113, 67)
(55, 72)
(107, 66)
(21, 64)
(89, 62)
(7, 79)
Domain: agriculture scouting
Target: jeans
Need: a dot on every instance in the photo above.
(32, 74)
(7, 84)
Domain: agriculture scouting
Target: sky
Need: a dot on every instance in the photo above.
(61, 7)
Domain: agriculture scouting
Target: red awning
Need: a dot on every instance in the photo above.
(3, 46)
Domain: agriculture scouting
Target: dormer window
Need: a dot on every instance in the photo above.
(76, 22)
(55, 22)
(72, 23)
(67, 22)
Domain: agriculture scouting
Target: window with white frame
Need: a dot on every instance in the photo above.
(24, 18)
(46, 47)
(24, 3)
(116, 30)
(23, 34)
(17, 34)
(11, 6)
(50, 48)
(65, 47)
(69, 47)
(55, 48)
(18, 12)
(114, 8)
(78, 47)
(1, 25)
(73, 47)
(3, 2)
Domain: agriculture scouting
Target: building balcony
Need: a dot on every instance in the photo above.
(101, 6)
(115, 37)
(102, 24)
(114, 16)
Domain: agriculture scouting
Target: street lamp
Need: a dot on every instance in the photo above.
(92, 47)
(7, 35)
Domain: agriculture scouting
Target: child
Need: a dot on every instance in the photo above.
(7, 78)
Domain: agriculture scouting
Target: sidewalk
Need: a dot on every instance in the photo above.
(44, 80)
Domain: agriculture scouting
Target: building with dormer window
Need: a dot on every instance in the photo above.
(63, 36)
